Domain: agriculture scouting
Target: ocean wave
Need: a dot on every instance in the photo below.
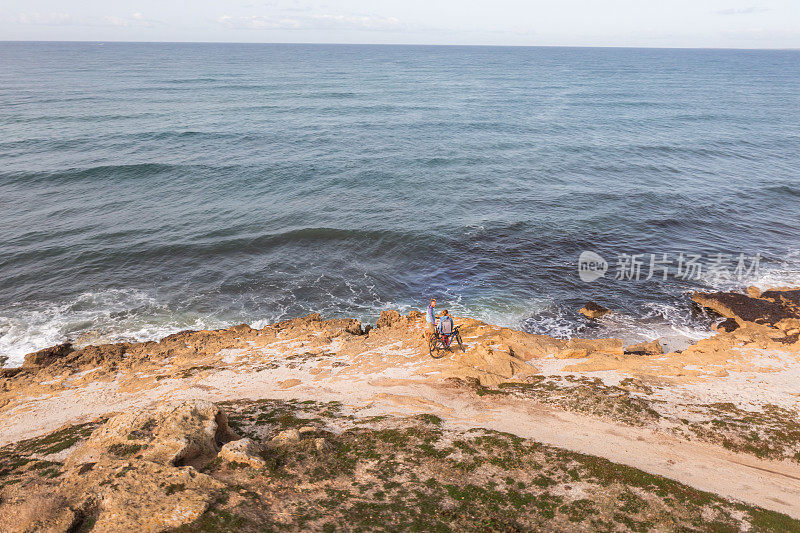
(114, 315)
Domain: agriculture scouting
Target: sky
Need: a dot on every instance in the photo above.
(645, 23)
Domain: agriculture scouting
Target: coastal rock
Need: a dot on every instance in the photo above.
(181, 433)
(388, 318)
(37, 512)
(608, 346)
(789, 298)
(727, 325)
(242, 451)
(491, 364)
(573, 353)
(314, 322)
(593, 310)
(753, 292)
(139, 495)
(354, 328)
(645, 348)
(743, 308)
(527, 346)
(48, 355)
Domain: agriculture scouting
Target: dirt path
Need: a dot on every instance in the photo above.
(769, 484)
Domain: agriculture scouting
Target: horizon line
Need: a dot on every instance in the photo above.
(407, 44)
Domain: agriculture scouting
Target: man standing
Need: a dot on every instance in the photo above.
(430, 317)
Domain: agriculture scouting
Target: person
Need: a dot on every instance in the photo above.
(446, 326)
(430, 317)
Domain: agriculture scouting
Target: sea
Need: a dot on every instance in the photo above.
(147, 188)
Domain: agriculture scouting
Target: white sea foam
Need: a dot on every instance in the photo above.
(113, 315)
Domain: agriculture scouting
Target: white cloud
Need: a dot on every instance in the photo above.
(47, 19)
(310, 22)
(135, 20)
(742, 10)
(65, 19)
(360, 22)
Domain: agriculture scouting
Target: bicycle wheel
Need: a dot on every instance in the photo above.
(436, 347)
(458, 339)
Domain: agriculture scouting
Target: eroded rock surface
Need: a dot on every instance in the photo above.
(744, 308)
(593, 310)
(172, 433)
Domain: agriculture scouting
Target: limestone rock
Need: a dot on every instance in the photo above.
(37, 512)
(178, 433)
(48, 355)
(645, 348)
(307, 429)
(388, 318)
(286, 436)
(354, 328)
(572, 353)
(593, 310)
(242, 451)
(743, 308)
(140, 495)
(320, 444)
(609, 346)
(788, 325)
(753, 292)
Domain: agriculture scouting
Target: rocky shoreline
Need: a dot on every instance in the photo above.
(194, 431)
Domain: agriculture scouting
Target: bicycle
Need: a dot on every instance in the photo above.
(439, 342)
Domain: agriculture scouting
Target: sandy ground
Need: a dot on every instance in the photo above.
(395, 378)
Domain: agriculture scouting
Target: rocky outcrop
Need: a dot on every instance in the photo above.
(388, 318)
(48, 355)
(177, 434)
(242, 451)
(645, 348)
(787, 298)
(134, 473)
(139, 495)
(37, 511)
(743, 308)
(593, 310)
(590, 346)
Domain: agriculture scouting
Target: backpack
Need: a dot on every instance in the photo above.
(447, 325)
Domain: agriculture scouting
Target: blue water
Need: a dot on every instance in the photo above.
(146, 188)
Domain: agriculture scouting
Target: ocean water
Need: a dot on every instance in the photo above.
(148, 188)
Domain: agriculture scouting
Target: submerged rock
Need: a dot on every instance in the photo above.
(727, 325)
(593, 310)
(788, 298)
(743, 308)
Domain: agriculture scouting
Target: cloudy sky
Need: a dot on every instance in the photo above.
(660, 23)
